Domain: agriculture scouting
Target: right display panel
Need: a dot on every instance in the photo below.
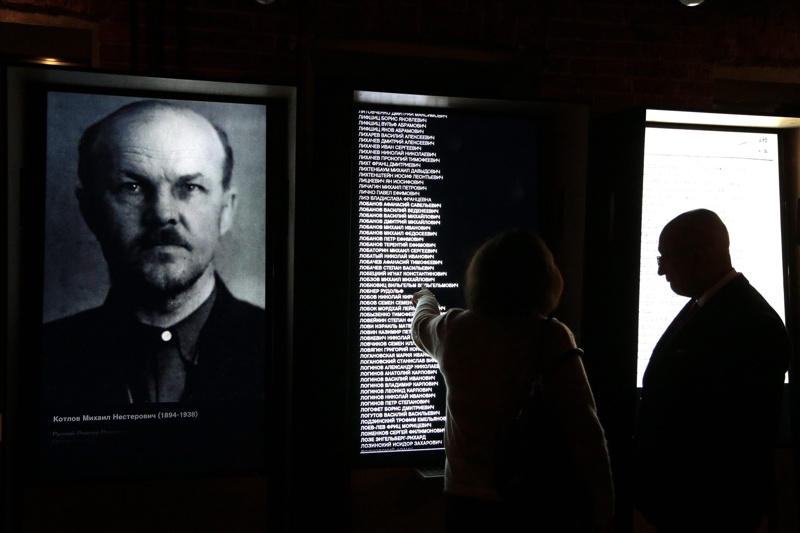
(735, 173)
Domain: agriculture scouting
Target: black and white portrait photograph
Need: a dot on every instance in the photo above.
(154, 252)
(75, 270)
(155, 334)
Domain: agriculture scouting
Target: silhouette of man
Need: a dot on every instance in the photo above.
(156, 191)
(712, 391)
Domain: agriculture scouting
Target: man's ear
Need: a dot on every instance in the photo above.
(88, 212)
(700, 258)
(701, 253)
(226, 213)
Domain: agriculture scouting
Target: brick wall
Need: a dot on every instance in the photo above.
(616, 54)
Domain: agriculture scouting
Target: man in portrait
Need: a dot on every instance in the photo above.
(156, 189)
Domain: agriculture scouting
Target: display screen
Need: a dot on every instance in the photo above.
(431, 184)
(736, 175)
(112, 403)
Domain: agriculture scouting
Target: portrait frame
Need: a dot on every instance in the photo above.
(54, 270)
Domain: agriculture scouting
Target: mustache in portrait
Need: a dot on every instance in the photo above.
(167, 236)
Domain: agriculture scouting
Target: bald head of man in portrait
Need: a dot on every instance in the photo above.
(156, 191)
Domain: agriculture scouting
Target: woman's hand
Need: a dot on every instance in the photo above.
(419, 294)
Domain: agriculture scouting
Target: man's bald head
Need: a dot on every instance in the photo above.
(701, 228)
(695, 254)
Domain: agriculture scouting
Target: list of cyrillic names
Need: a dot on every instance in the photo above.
(397, 253)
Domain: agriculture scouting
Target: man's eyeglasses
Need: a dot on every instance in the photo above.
(661, 258)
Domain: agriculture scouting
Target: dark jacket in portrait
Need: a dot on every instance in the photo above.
(91, 360)
(91, 357)
(709, 412)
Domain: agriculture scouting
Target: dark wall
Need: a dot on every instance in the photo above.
(614, 53)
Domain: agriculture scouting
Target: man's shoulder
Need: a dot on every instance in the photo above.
(235, 322)
(228, 307)
(740, 297)
(748, 317)
(75, 350)
(70, 324)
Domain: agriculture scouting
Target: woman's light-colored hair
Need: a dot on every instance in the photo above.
(513, 274)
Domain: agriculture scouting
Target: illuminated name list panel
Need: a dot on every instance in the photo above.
(397, 249)
(432, 185)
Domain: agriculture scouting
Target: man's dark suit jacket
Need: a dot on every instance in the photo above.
(88, 357)
(709, 411)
